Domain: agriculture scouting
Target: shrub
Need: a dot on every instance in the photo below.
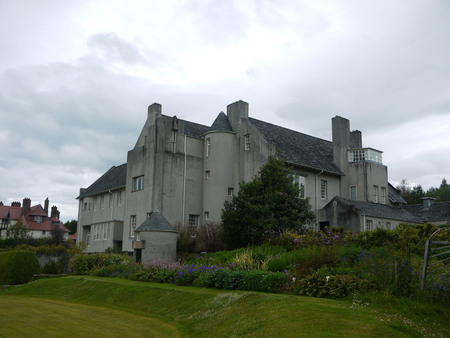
(82, 264)
(337, 286)
(223, 279)
(263, 281)
(312, 259)
(209, 237)
(17, 267)
(349, 256)
(282, 262)
(187, 274)
(121, 270)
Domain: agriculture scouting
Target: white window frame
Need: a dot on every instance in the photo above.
(137, 183)
(133, 223)
(207, 174)
(119, 198)
(323, 189)
(301, 180)
(230, 191)
(208, 147)
(194, 220)
(173, 142)
(350, 192)
(369, 225)
(375, 194)
(383, 195)
(206, 215)
(247, 142)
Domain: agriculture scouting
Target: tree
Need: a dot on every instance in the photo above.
(266, 206)
(72, 226)
(18, 231)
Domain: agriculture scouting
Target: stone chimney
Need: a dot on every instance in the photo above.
(26, 206)
(154, 111)
(16, 204)
(236, 111)
(46, 205)
(1, 202)
(427, 202)
(54, 212)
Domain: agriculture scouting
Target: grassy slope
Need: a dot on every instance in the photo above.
(205, 312)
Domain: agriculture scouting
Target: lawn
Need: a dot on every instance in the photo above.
(88, 306)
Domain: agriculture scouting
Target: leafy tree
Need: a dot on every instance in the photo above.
(266, 206)
(18, 231)
(414, 195)
(72, 226)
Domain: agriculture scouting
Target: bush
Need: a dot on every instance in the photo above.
(222, 279)
(314, 258)
(263, 281)
(83, 264)
(17, 267)
(337, 286)
(187, 274)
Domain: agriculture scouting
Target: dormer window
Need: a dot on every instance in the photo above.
(38, 219)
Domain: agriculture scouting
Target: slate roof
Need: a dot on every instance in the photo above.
(437, 212)
(394, 195)
(114, 178)
(379, 210)
(297, 148)
(155, 222)
(194, 129)
(221, 123)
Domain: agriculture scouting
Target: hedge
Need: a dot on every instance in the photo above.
(18, 267)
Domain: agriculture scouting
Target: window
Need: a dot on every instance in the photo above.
(368, 225)
(138, 183)
(95, 203)
(323, 189)
(208, 147)
(173, 142)
(353, 192)
(38, 219)
(388, 225)
(119, 198)
(230, 191)
(383, 195)
(102, 202)
(206, 215)
(247, 142)
(43, 232)
(301, 180)
(207, 174)
(149, 214)
(101, 231)
(194, 220)
(111, 200)
(132, 225)
(375, 194)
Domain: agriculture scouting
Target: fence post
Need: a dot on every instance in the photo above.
(425, 263)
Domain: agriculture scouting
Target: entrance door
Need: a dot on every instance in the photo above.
(137, 255)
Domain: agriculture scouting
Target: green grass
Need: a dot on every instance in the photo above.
(189, 311)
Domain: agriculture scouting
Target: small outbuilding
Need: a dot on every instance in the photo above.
(155, 240)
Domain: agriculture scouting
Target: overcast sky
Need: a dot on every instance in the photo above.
(76, 78)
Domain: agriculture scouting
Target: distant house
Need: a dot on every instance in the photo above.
(188, 170)
(35, 219)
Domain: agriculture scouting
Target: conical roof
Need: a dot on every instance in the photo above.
(221, 123)
(155, 222)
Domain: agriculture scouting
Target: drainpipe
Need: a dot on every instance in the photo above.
(317, 198)
(184, 178)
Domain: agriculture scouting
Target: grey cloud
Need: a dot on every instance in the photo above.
(110, 47)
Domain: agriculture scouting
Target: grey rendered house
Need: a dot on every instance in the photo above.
(187, 170)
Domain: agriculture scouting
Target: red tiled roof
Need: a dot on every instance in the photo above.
(37, 210)
(45, 224)
(14, 212)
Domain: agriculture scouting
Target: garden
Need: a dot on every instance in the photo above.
(329, 264)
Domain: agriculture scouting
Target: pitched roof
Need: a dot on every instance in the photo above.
(438, 211)
(297, 148)
(47, 224)
(114, 178)
(8, 212)
(37, 210)
(194, 129)
(379, 210)
(155, 222)
(221, 123)
(394, 195)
